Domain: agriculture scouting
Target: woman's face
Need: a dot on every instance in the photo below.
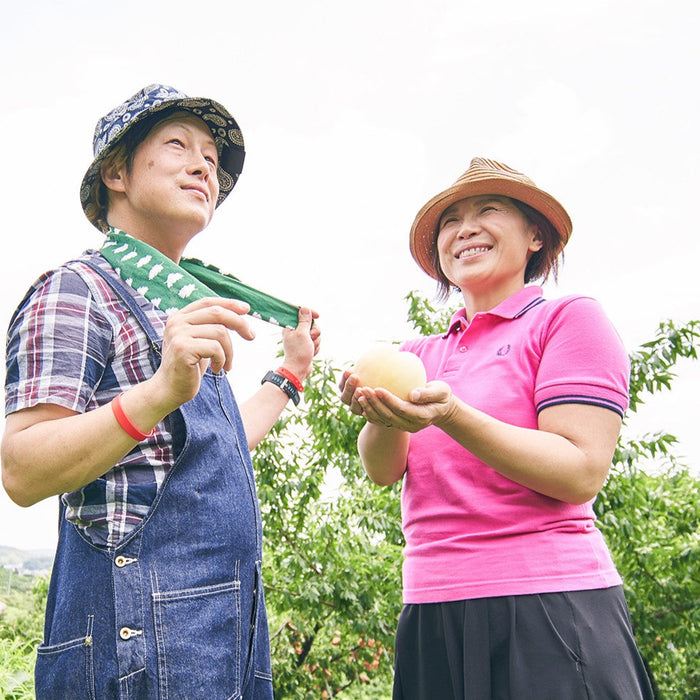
(484, 244)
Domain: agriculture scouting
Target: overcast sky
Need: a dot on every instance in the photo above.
(354, 115)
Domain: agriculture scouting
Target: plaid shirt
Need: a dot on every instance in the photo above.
(73, 343)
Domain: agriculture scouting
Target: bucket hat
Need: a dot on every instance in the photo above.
(484, 176)
(110, 130)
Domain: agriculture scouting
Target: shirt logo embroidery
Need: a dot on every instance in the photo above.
(504, 350)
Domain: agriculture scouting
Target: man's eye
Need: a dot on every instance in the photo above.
(211, 160)
(487, 208)
(447, 220)
(177, 142)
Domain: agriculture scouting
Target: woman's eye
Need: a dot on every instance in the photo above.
(211, 160)
(446, 221)
(177, 142)
(487, 208)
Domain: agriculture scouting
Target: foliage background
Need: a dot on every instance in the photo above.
(649, 512)
(333, 545)
(20, 632)
(333, 557)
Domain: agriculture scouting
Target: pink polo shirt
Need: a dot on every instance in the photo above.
(470, 532)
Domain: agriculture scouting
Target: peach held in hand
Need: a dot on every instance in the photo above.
(396, 371)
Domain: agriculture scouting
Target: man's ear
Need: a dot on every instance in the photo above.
(112, 176)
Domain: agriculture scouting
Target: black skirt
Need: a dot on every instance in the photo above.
(552, 646)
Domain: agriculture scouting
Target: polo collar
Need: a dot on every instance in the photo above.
(515, 306)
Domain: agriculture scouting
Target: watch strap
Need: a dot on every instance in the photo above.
(284, 384)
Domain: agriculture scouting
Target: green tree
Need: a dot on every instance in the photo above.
(333, 545)
(332, 555)
(333, 541)
(649, 512)
(19, 638)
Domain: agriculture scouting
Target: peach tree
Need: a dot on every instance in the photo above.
(333, 541)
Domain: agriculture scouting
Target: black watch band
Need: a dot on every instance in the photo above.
(284, 384)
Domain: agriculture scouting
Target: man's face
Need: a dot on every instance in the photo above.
(172, 186)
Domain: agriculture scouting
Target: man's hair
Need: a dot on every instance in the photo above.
(121, 156)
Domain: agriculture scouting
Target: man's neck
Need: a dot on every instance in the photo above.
(169, 244)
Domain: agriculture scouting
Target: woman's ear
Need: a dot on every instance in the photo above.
(536, 242)
(112, 176)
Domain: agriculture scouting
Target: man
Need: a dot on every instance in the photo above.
(116, 398)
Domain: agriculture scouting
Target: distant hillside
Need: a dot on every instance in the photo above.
(26, 561)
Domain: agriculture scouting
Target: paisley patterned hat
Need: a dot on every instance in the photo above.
(151, 100)
(484, 176)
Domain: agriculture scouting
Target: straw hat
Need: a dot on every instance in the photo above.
(110, 130)
(483, 177)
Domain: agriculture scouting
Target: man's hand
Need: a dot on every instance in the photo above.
(196, 337)
(301, 344)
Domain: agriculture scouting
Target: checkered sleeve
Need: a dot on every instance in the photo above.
(58, 345)
(73, 343)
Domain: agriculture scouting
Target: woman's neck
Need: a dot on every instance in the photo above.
(479, 301)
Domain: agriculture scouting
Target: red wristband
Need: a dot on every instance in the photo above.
(292, 378)
(127, 426)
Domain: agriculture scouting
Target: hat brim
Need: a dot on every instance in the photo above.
(225, 132)
(424, 228)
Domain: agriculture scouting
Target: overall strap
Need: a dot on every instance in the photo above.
(126, 294)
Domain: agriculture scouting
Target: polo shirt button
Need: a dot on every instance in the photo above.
(463, 348)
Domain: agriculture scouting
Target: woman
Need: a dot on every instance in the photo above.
(509, 589)
(118, 401)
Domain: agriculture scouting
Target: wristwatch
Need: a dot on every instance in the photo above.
(284, 384)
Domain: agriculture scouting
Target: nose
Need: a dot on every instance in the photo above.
(199, 165)
(467, 228)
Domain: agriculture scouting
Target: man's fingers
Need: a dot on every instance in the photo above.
(305, 318)
(235, 305)
(229, 313)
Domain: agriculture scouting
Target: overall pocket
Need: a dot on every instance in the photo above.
(198, 638)
(66, 671)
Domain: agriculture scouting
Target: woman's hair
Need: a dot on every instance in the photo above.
(542, 263)
(122, 155)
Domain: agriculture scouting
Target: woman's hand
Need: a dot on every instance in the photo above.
(383, 441)
(567, 457)
(426, 405)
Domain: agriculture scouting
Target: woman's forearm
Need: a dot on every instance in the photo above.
(383, 452)
(567, 458)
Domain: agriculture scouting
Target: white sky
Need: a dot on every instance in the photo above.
(354, 115)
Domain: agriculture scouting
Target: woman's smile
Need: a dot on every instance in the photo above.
(471, 251)
(484, 244)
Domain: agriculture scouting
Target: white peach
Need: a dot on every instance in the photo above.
(396, 371)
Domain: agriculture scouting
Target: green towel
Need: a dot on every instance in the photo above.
(170, 286)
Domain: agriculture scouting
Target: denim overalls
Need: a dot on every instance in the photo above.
(176, 610)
